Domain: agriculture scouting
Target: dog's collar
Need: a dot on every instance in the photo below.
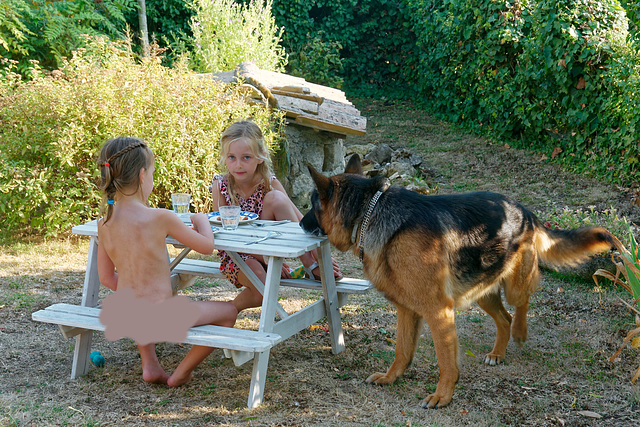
(365, 222)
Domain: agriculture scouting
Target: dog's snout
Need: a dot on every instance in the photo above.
(317, 232)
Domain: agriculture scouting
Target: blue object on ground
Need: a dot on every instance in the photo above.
(97, 358)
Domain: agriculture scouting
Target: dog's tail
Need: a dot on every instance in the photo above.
(571, 247)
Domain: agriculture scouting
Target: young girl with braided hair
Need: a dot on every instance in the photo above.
(250, 184)
(132, 261)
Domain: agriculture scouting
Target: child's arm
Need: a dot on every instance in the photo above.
(216, 196)
(106, 269)
(199, 237)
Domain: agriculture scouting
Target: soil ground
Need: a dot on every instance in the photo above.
(561, 376)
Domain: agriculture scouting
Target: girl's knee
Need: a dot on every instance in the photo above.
(230, 315)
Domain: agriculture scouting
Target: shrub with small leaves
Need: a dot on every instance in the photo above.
(318, 61)
(226, 33)
(52, 127)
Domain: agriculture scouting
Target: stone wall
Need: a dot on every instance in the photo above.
(328, 152)
(323, 150)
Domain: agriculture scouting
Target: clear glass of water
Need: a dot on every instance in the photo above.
(180, 202)
(229, 217)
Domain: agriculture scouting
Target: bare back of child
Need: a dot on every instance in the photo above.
(132, 260)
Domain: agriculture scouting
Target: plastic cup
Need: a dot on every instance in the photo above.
(180, 202)
(229, 217)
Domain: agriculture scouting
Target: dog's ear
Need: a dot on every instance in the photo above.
(321, 181)
(354, 165)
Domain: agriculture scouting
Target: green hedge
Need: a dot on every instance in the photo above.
(366, 43)
(556, 76)
(52, 127)
(550, 75)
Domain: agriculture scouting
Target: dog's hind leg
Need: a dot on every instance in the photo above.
(519, 326)
(492, 304)
(409, 326)
(518, 288)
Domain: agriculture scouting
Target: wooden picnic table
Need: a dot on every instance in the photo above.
(242, 345)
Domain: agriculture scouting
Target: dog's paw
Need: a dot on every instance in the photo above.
(435, 401)
(493, 359)
(379, 378)
(519, 339)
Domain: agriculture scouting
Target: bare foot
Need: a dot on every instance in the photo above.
(155, 375)
(176, 380)
(337, 274)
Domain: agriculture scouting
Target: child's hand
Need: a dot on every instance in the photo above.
(198, 218)
(286, 271)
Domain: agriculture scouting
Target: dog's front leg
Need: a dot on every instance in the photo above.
(441, 321)
(409, 326)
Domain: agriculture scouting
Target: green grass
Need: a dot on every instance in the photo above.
(21, 300)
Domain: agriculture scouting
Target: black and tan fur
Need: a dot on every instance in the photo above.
(431, 254)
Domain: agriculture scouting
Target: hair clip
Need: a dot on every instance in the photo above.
(111, 201)
(107, 165)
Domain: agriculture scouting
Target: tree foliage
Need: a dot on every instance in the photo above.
(48, 31)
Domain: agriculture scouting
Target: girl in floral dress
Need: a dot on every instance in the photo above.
(250, 184)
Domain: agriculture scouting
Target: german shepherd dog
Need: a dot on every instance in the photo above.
(432, 254)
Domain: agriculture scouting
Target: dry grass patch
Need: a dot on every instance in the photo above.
(561, 376)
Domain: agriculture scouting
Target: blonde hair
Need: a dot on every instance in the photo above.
(120, 164)
(251, 133)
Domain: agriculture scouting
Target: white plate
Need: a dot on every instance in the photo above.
(245, 217)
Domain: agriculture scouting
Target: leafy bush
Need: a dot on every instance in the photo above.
(633, 13)
(318, 61)
(169, 24)
(226, 34)
(618, 143)
(13, 30)
(52, 127)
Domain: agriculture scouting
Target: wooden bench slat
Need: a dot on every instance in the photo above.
(199, 267)
(212, 269)
(76, 316)
(344, 286)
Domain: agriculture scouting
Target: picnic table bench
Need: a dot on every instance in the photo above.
(241, 345)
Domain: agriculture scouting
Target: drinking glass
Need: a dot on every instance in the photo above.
(180, 202)
(230, 217)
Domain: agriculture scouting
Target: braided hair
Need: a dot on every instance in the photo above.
(120, 162)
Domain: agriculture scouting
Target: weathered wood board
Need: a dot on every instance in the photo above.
(307, 104)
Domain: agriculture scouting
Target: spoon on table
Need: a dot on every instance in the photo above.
(268, 236)
(269, 224)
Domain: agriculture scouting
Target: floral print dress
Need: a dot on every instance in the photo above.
(253, 203)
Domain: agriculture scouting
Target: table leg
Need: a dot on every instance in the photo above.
(237, 260)
(90, 291)
(258, 379)
(179, 258)
(270, 295)
(330, 295)
(267, 322)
